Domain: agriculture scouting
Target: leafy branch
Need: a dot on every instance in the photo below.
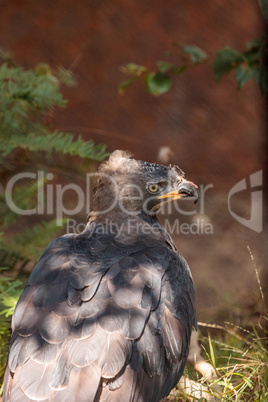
(26, 99)
(158, 82)
(246, 65)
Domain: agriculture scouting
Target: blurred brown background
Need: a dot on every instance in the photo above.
(216, 133)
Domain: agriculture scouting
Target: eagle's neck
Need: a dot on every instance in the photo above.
(126, 226)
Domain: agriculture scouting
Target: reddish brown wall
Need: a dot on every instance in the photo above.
(96, 37)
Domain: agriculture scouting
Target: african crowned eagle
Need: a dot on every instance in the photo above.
(107, 315)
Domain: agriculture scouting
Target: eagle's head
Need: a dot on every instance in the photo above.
(131, 186)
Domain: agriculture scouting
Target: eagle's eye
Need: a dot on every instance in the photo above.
(153, 188)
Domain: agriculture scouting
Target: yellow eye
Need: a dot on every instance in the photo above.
(153, 188)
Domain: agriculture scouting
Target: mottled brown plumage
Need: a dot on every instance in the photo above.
(107, 315)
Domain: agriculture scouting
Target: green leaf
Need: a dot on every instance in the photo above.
(253, 57)
(264, 7)
(242, 75)
(260, 77)
(177, 69)
(10, 290)
(254, 52)
(43, 69)
(126, 84)
(212, 355)
(164, 66)
(132, 68)
(197, 55)
(54, 142)
(254, 43)
(157, 83)
(226, 60)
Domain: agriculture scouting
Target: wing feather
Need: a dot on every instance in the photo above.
(101, 320)
(86, 351)
(35, 378)
(114, 355)
(40, 350)
(151, 347)
(25, 313)
(124, 393)
(82, 387)
(61, 371)
(18, 353)
(54, 329)
(85, 328)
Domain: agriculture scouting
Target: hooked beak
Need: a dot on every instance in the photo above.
(185, 189)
